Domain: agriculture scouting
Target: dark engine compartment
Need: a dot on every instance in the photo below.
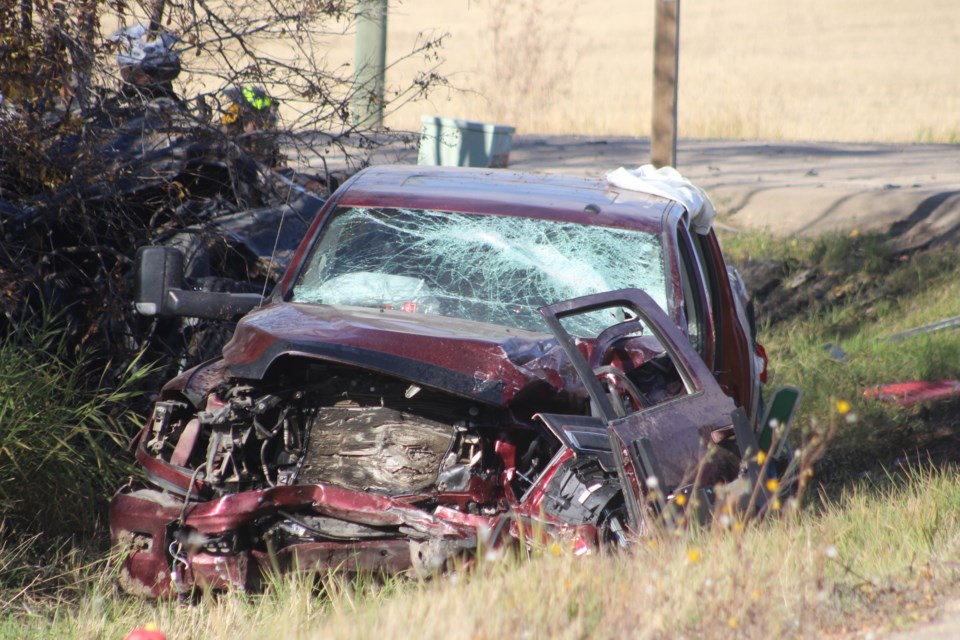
(348, 427)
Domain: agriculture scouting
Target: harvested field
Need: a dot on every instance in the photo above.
(859, 70)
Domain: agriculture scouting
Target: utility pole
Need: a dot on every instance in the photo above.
(666, 61)
(370, 63)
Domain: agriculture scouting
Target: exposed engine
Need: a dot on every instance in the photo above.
(333, 465)
(349, 428)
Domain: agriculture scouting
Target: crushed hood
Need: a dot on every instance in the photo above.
(484, 362)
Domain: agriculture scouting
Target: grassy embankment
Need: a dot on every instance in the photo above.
(875, 548)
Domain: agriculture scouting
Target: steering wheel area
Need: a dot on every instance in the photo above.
(608, 337)
(624, 395)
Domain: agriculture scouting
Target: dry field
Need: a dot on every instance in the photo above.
(853, 70)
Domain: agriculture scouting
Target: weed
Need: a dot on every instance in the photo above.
(60, 447)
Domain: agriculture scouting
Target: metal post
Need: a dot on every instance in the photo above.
(370, 61)
(666, 60)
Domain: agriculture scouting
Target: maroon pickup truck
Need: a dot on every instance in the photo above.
(453, 356)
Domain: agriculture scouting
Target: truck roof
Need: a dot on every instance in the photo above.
(590, 201)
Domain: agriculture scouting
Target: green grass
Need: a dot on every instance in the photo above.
(939, 135)
(872, 294)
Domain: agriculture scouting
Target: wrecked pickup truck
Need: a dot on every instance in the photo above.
(452, 356)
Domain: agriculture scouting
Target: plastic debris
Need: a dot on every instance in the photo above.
(907, 394)
(836, 352)
(149, 631)
(927, 328)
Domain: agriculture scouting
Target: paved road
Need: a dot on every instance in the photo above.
(791, 188)
(788, 188)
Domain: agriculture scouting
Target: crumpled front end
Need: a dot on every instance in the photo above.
(232, 542)
(322, 466)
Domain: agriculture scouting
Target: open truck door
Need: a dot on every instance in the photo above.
(660, 448)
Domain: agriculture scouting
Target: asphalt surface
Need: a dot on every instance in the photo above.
(806, 188)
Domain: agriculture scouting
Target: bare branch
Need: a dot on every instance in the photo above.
(156, 14)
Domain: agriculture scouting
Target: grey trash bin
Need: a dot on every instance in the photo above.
(450, 142)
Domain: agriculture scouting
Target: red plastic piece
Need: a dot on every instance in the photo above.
(149, 632)
(907, 394)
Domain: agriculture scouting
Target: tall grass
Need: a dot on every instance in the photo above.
(62, 440)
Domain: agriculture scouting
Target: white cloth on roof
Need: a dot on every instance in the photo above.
(668, 183)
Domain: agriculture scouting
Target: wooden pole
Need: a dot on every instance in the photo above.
(666, 61)
(370, 61)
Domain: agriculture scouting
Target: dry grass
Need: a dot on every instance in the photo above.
(874, 559)
(857, 70)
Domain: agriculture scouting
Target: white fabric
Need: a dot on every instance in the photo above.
(668, 183)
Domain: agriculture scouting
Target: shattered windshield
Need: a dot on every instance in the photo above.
(487, 268)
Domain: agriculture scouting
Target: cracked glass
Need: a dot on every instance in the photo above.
(486, 268)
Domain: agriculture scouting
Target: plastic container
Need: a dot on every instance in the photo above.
(450, 142)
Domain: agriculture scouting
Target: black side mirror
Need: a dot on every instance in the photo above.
(159, 290)
(158, 270)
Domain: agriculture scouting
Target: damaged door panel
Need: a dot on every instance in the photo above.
(661, 446)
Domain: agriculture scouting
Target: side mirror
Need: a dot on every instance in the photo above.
(159, 290)
(158, 270)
